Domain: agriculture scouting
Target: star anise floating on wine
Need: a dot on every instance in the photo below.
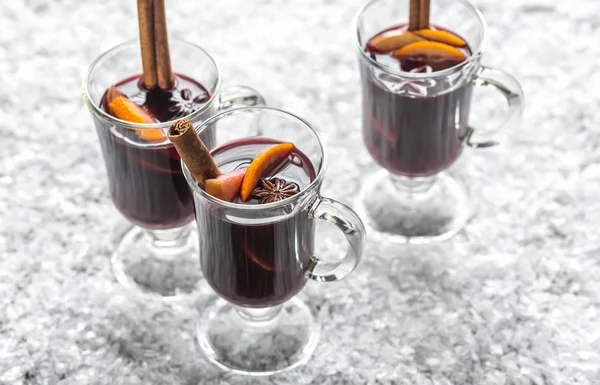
(274, 190)
(185, 102)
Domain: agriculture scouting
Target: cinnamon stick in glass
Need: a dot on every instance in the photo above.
(414, 10)
(193, 152)
(424, 14)
(161, 43)
(146, 26)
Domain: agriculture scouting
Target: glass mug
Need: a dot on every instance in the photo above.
(415, 125)
(258, 257)
(156, 254)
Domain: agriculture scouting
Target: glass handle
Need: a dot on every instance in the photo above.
(353, 228)
(240, 96)
(512, 91)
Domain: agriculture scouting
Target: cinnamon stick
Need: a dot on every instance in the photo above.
(424, 14)
(146, 25)
(192, 150)
(414, 11)
(161, 43)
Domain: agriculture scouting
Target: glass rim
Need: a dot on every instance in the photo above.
(141, 126)
(473, 58)
(238, 206)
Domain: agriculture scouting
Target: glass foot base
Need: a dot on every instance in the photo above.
(161, 263)
(282, 341)
(413, 210)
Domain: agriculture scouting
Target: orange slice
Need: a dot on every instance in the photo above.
(250, 254)
(127, 110)
(441, 36)
(385, 132)
(392, 40)
(262, 163)
(430, 50)
(112, 93)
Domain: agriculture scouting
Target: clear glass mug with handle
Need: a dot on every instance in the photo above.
(416, 124)
(155, 254)
(257, 257)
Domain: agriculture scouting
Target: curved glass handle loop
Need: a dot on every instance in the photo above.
(353, 229)
(240, 96)
(512, 91)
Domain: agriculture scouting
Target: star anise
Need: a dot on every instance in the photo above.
(184, 103)
(274, 190)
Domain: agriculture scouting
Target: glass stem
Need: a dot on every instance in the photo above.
(414, 188)
(165, 242)
(262, 318)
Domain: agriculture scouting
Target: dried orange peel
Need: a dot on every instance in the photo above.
(441, 37)
(262, 163)
(392, 40)
(430, 50)
(125, 109)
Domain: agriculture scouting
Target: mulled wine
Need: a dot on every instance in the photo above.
(258, 263)
(144, 169)
(414, 126)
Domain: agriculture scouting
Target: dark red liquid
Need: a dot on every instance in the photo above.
(262, 261)
(145, 178)
(415, 127)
